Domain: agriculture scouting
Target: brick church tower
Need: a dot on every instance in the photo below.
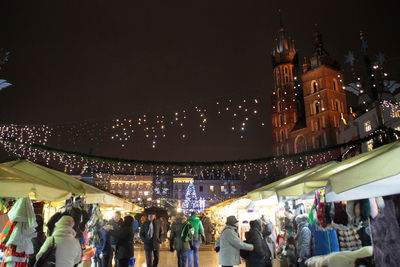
(306, 109)
(285, 71)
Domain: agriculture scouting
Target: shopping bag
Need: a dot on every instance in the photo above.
(132, 262)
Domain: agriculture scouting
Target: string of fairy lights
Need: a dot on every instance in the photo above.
(72, 162)
(272, 167)
(150, 128)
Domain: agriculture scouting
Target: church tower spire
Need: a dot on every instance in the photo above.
(286, 72)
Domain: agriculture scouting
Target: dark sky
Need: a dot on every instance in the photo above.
(74, 60)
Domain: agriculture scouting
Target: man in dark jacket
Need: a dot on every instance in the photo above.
(151, 235)
(103, 249)
(125, 242)
(261, 255)
(116, 224)
(176, 241)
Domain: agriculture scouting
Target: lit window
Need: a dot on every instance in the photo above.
(395, 111)
(314, 87)
(211, 188)
(316, 107)
(370, 144)
(367, 126)
(222, 188)
(233, 186)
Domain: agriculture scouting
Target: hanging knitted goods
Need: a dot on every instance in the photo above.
(328, 206)
(311, 215)
(19, 259)
(349, 238)
(365, 208)
(6, 233)
(6, 205)
(321, 215)
(94, 226)
(350, 211)
(18, 241)
(340, 216)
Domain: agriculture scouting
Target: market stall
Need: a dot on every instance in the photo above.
(61, 194)
(245, 211)
(47, 184)
(347, 198)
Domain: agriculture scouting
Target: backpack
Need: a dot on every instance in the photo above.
(187, 232)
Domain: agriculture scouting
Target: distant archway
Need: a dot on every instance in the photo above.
(300, 144)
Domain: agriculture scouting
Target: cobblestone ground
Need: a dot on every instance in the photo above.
(168, 259)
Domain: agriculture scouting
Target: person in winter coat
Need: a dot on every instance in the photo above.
(269, 234)
(198, 231)
(103, 249)
(115, 224)
(124, 237)
(68, 252)
(208, 229)
(303, 239)
(182, 248)
(229, 244)
(151, 233)
(37, 241)
(261, 255)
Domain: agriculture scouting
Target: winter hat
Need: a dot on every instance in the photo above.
(256, 224)
(231, 220)
(302, 218)
(65, 221)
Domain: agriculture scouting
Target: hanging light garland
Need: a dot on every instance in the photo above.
(276, 167)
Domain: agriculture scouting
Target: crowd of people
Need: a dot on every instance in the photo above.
(261, 245)
(116, 242)
(67, 232)
(258, 250)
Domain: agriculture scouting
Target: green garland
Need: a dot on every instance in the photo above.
(376, 133)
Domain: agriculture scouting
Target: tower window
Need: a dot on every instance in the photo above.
(279, 106)
(314, 87)
(316, 107)
(337, 105)
(334, 85)
(282, 135)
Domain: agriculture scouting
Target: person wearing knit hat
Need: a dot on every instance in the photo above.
(68, 249)
(229, 244)
(231, 220)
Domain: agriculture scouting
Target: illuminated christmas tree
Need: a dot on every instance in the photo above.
(191, 203)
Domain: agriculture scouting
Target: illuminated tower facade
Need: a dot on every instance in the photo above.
(284, 109)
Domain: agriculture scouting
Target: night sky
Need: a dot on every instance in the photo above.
(76, 60)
